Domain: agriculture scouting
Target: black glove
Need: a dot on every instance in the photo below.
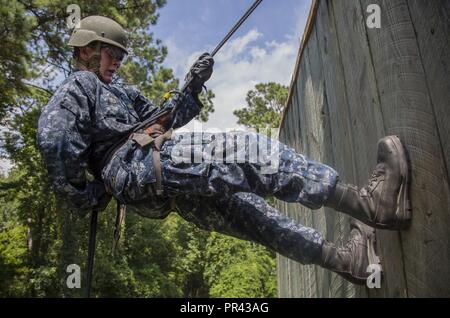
(200, 72)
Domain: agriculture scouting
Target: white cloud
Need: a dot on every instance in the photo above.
(240, 65)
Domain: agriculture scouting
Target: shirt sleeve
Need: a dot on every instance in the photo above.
(143, 107)
(64, 140)
(189, 108)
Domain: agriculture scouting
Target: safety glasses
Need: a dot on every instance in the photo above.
(114, 52)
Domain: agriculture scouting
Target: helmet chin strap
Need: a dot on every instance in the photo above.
(93, 63)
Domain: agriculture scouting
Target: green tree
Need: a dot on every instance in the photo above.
(13, 247)
(237, 268)
(34, 38)
(264, 106)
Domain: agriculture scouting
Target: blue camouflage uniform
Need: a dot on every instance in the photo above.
(85, 117)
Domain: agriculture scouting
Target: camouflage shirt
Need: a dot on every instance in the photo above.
(82, 120)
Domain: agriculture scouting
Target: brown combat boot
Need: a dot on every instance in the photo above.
(384, 203)
(352, 260)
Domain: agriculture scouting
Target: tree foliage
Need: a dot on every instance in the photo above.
(237, 268)
(264, 106)
(39, 239)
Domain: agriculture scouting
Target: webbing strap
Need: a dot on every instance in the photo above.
(144, 139)
(157, 144)
(120, 218)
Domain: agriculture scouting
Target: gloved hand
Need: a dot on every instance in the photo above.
(200, 72)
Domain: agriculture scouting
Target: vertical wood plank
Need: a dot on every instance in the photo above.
(340, 129)
(431, 22)
(367, 127)
(305, 216)
(355, 85)
(320, 134)
(408, 112)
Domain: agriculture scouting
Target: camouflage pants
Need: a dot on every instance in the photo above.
(218, 182)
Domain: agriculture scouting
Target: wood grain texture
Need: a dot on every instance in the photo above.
(354, 85)
(338, 119)
(367, 125)
(409, 112)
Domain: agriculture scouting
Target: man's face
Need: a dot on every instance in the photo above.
(111, 59)
(110, 62)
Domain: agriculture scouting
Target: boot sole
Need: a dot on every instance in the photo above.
(403, 211)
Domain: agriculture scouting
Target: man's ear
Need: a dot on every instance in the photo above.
(85, 53)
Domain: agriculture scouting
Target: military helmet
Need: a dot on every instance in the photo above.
(98, 28)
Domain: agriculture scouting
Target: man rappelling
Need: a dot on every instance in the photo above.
(111, 131)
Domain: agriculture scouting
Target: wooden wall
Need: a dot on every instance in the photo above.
(353, 85)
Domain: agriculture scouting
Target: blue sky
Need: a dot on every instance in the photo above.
(264, 48)
(197, 24)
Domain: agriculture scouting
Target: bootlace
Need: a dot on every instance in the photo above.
(351, 244)
(376, 174)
